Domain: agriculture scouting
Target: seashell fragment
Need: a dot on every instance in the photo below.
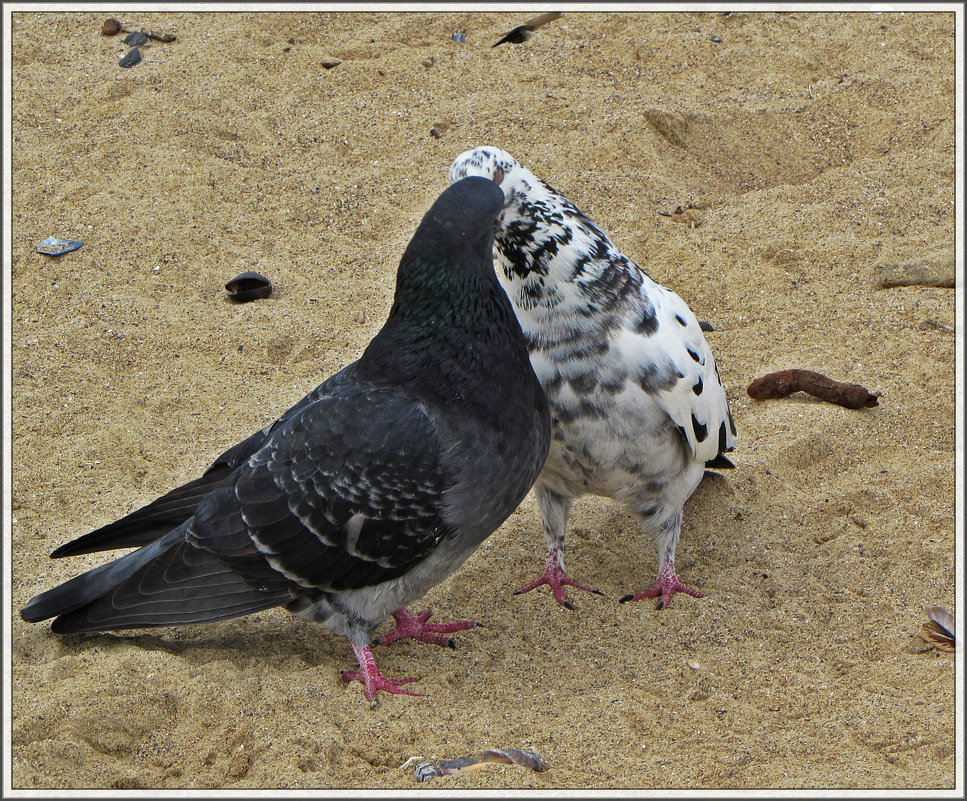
(691, 216)
(940, 630)
(135, 39)
(52, 246)
(455, 767)
(248, 286)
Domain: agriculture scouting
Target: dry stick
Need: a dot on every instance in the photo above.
(785, 382)
(160, 37)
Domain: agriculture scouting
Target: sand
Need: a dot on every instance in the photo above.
(810, 148)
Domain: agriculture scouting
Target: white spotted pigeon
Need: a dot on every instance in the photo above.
(637, 407)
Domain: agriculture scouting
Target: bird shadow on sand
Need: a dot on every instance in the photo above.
(238, 644)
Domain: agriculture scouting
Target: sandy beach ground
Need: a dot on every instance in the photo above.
(811, 149)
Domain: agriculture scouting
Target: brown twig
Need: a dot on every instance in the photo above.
(785, 382)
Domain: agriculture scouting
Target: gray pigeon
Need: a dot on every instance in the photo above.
(369, 491)
(637, 407)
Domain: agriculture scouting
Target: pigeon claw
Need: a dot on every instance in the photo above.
(416, 626)
(555, 578)
(666, 586)
(374, 681)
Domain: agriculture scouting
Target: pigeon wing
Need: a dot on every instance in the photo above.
(697, 402)
(347, 493)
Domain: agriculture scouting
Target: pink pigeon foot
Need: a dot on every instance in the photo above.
(666, 586)
(555, 578)
(408, 625)
(373, 681)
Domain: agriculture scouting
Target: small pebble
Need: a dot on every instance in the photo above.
(715, 38)
(693, 664)
(329, 63)
(111, 27)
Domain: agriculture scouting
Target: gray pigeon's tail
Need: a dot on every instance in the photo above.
(150, 522)
(169, 582)
(143, 526)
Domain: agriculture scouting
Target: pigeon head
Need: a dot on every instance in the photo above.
(450, 257)
(449, 307)
(498, 166)
(531, 228)
(459, 225)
